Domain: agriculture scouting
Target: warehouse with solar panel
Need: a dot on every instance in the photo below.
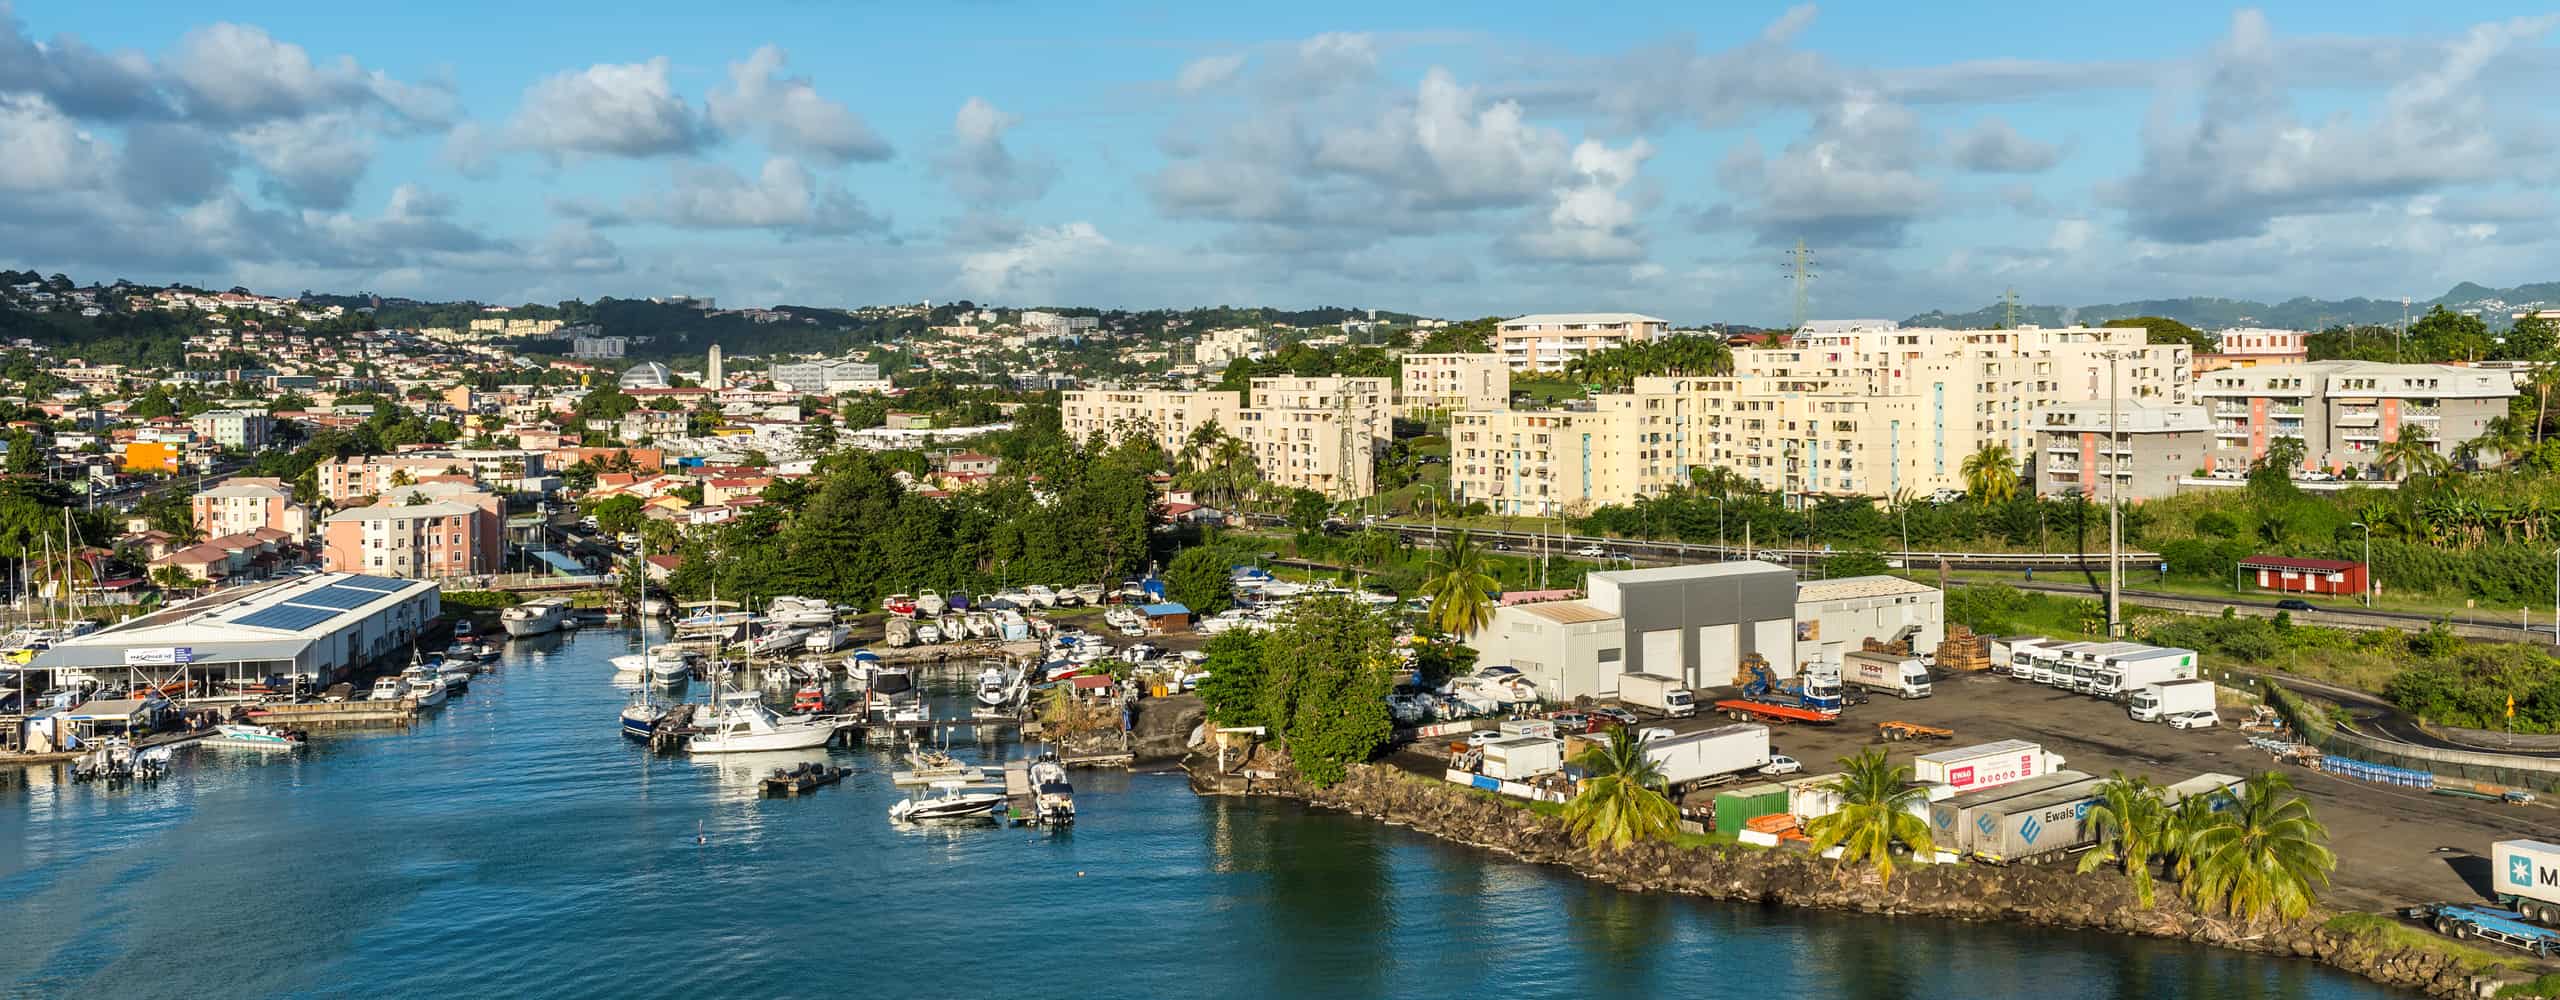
(245, 643)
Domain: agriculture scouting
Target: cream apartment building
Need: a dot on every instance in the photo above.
(1866, 409)
(1216, 348)
(2346, 411)
(1321, 434)
(1547, 341)
(1451, 382)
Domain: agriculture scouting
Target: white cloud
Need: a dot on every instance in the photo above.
(979, 168)
(239, 72)
(1850, 181)
(610, 109)
(784, 196)
(1992, 147)
(46, 150)
(1208, 72)
(1032, 266)
(1445, 150)
(1592, 219)
(790, 114)
(311, 162)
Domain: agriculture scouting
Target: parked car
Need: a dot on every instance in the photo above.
(1781, 764)
(1572, 722)
(1483, 736)
(2202, 719)
(1614, 716)
(1590, 552)
(2293, 604)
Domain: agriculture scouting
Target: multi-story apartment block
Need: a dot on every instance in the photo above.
(1865, 409)
(597, 348)
(1216, 348)
(824, 375)
(2249, 347)
(1547, 341)
(1049, 326)
(2346, 411)
(345, 479)
(1549, 462)
(245, 504)
(235, 430)
(452, 533)
(1320, 434)
(1452, 382)
(2151, 446)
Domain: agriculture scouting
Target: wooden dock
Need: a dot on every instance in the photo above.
(337, 714)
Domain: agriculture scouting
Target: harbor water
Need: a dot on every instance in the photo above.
(515, 845)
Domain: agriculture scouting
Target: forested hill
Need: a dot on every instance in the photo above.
(2494, 306)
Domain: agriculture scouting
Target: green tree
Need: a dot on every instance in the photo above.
(1877, 798)
(2163, 330)
(175, 580)
(1308, 509)
(2264, 855)
(2410, 455)
(1991, 474)
(2128, 820)
(1854, 563)
(1624, 800)
(1200, 579)
(26, 458)
(1232, 693)
(2271, 476)
(2533, 338)
(617, 515)
(608, 403)
(1328, 663)
(1461, 586)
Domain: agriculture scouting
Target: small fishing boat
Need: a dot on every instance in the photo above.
(464, 630)
(780, 640)
(257, 737)
(630, 668)
(928, 634)
(902, 605)
(981, 625)
(809, 700)
(423, 684)
(994, 689)
(948, 803)
(456, 681)
(669, 669)
(1054, 798)
(803, 778)
(827, 638)
(1041, 596)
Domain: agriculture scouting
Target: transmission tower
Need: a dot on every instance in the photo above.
(1800, 270)
(2009, 309)
(1354, 446)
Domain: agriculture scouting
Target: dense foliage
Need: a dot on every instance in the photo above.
(1318, 681)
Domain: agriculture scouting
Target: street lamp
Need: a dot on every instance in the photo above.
(1720, 552)
(2368, 560)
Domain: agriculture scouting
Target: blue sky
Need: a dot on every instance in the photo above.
(1457, 160)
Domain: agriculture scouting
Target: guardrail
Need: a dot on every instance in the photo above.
(1912, 557)
(2341, 743)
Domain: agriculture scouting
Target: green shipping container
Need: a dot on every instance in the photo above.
(1741, 804)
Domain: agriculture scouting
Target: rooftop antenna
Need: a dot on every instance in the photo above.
(1800, 270)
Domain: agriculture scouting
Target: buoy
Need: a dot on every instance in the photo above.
(1079, 874)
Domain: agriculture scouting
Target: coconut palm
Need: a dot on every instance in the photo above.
(2127, 821)
(2266, 856)
(1460, 586)
(1876, 802)
(2180, 826)
(1624, 800)
(2410, 455)
(1991, 474)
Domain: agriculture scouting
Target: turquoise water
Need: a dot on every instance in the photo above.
(515, 845)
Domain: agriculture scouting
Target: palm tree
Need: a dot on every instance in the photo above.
(1991, 474)
(1877, 798)
(1460, 585)
(2180, 825)
(2267, 855)
(2409, 455)
(1624, 800)
(2127, 820)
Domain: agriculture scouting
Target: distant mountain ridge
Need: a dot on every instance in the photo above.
(2494, 306)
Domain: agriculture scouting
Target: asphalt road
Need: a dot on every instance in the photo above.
(2395, 846)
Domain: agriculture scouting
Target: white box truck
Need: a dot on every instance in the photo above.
(2014, 654)
(2082, 665)
(1965, 769)
(1521, 758)
(1710, 754)
(2118, 677)
(1528, 727)
(1892, 673)
(1951, 819)
(1659, 695)
(2527, 876)
(2051, 821)
(2154, 702)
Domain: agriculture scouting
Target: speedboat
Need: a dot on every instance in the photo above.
(800, 612)
(928, 635)
(947, 803)
(1041, 596)
(669, 670)
(994, 690)
(955, 628)
(981, 625)
(712, 624)
(386, 688)
(827, 638)
(929, 603)
(534, 617)
(456, 681)
(630, 668)
(1053, 796)
(423, 683)
(780, 640)
(464, 630)
(256, 737)
(902, 605)
(744, 725)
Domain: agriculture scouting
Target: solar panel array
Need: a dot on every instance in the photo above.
(341, 598)
(286, 617)
(377, 584)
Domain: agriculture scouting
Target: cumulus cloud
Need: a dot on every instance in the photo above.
(1593, 220)
(1031, 266)
(234, 72)
(310, 162)
(1208, 73)
(1447, 150)
(2245, 158)
(979, 168)
(1850, 181)
(789, 114)
(783, 197)
(82, 81)
(47, 150)
(609, 109)
(1992, 147)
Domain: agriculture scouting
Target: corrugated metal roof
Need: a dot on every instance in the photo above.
(1567, 612)
(1847, 588)
(1693, 571)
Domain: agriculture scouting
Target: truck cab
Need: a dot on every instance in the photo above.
(1821, 691)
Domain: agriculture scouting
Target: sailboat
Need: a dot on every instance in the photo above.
(640, 718)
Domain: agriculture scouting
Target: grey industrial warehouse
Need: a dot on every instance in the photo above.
(311, 632)
(1697, 622)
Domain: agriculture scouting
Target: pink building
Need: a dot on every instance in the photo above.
(246, 504)
(2250, 347)
(451, 533)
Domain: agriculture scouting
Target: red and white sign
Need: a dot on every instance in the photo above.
(1997, 771)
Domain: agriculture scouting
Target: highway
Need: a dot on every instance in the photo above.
(1643, 550)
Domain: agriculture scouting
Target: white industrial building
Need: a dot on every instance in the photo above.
(1698, 622)
(313, 630)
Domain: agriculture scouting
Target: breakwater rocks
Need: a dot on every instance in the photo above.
(2045, 895)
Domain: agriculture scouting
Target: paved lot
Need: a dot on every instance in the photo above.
(2395, 846)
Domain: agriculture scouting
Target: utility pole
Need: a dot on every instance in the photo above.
(2115, 500)
(1800, 270)
(2368, 561)
(2403, 331)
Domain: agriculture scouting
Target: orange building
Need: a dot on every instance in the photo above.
(151, 456)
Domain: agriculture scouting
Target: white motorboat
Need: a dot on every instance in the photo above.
(423, 685)
(981, 625)
(995, 690)
(780, 640)
(713, 624)
(800, 612)
(928, 634)
(827, 639)
(929, 603)
(954, 628)
(1041, 596)
(947, 803)
(630, 668)
(1010, 625)
(456, 681)
(744, 725)
(670, 668)
(1053, 796)
(386, 688)
(534, 617)
(255, 737)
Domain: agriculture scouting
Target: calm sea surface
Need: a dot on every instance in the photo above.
(515, 845)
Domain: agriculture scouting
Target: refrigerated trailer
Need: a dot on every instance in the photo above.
(1965, 769)
(1653, 693)
(2526, 874)
(1952, 820)
(1521, 758)
(1710, 755)
(2038, 824)
(2159, 701)
(2079, 669)
(2118, 677)
(1892, 673)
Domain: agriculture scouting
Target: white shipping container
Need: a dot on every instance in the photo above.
(1521, 758)
(2527, 876)
(1712, 753)
(1984, 766)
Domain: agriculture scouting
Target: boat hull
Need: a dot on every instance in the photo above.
(809, 738)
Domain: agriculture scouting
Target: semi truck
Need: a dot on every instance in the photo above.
(1659, 695)
(1985, 765)
(2079, 669)
(2009, 653)
(2118, 677)
(1891, 673)
(2155, 702)
(1952, 819)
(2527, 876)
(1521, 758)
(1710, 755)
(2033, 825)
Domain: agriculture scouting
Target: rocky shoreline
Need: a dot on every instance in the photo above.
(2051, 896)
